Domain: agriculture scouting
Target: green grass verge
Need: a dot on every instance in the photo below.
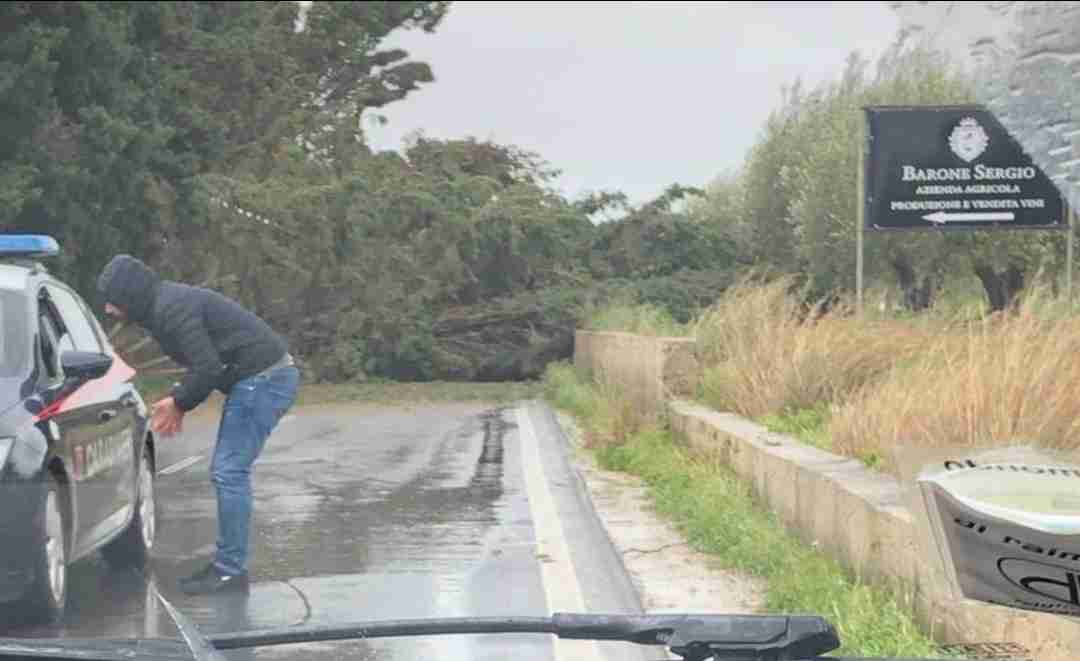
(718, 515)
(811, 426)
(807, 425)
(154, 386)
(640, 319)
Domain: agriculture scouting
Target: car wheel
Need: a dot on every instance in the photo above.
(48, 593)
(132, 548)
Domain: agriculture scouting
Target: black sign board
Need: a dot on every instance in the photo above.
(952, 167)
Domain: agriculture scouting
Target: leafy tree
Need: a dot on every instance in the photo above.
(115, 113)
(766, 193)
(655, 240)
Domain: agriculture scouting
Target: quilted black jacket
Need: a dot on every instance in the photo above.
(219, 341)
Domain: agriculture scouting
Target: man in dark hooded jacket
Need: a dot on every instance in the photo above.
(227, 348)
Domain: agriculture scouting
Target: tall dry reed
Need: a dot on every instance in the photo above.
(1007, 378)
(763, 352)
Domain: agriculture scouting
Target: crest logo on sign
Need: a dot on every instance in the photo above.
(968, 140)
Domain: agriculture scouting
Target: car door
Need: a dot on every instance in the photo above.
(103, 455)
(72, 425)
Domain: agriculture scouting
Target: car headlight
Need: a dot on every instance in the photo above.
(5, 449)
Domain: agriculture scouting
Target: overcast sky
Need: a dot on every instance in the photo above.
(630, 96)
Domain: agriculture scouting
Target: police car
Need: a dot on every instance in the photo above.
(76, 452)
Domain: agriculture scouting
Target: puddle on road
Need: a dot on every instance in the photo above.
(452, 505)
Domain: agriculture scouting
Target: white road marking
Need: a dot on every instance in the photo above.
(556, 566)
(180, 465)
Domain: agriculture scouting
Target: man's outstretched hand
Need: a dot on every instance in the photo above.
(167, 417)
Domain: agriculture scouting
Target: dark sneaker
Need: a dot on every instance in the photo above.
(209, 580)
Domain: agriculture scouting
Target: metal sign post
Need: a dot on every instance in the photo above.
(1069, 258)
(860, 217)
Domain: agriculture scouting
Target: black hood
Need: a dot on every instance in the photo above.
(130, 285)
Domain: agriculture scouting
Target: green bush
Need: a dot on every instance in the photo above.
(640, 319)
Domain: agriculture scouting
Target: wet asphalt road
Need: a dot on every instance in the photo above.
(368, 513)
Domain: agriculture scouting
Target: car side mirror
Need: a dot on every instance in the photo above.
(85, 366)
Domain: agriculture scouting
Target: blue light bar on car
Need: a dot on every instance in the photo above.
(28, 245)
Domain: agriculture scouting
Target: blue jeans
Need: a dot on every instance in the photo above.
(252, 410)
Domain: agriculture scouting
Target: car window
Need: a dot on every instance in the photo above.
(14, 346)
(78, 332)
(48, 334)
(103, 336)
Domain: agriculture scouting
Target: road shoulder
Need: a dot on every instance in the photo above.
(668, 575)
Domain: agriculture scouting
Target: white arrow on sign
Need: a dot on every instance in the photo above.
(942, 217)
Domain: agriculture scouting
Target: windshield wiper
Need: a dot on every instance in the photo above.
(694, 637)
